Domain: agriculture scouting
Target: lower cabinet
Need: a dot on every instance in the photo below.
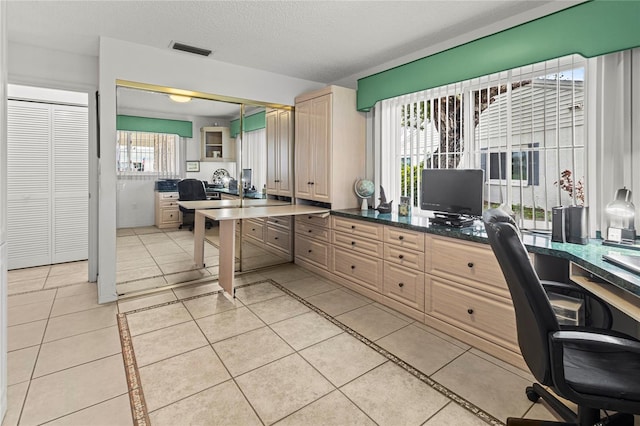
(452, 285)
(167, 212)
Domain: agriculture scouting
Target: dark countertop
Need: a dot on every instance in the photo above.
(588, 256)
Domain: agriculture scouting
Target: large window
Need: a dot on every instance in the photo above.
(524, 127)
(154, 155)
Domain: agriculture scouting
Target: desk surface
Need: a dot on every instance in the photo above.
(261, 211)
(224, 204)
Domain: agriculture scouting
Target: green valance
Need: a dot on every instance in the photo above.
(250, 123)
(154, 125)
(590, 29)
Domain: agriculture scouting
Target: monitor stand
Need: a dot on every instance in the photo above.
(453, 220)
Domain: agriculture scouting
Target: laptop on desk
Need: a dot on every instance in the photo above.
(628, 262)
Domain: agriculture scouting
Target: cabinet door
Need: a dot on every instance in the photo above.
(272, 152)
(285, 142)
(321, 145)
(304, 164)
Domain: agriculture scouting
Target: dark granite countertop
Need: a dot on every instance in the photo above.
(588, 256)
(252, 195)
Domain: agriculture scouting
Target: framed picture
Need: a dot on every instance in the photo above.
(193, 166)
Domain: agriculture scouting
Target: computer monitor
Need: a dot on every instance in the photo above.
(454, 195)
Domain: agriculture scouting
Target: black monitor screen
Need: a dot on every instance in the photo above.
(453, 191)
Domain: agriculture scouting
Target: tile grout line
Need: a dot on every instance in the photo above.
(136, 395)
(477, 411)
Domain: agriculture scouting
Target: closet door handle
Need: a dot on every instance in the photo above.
(470, 311)
(401, 256)
(470, 264)
(400, 285)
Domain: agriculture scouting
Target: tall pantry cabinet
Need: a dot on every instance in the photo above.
(330, 147)
(279, 125)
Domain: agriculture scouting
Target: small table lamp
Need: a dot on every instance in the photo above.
(620, 213)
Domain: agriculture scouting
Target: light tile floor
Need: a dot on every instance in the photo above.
(270, 357)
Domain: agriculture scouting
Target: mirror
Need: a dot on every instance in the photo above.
(153, 249)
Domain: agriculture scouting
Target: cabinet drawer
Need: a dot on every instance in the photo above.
(304, 228)
(312, 251)
(169, 204)
(404, 238)
(358, 244)
(162, 196)
(281, 221)
(357, 227)
(312, 219)
(278, 237)
(253, 229)
(363, 270)
(404, 285)
(170, 216)
(488, 317)
(475, 262)
(405, 257)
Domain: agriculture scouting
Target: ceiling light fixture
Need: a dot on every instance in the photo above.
(180, 98)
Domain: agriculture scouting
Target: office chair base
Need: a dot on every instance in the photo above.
(585, 416)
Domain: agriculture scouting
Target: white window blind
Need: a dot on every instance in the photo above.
(524, 127)
(147, 155)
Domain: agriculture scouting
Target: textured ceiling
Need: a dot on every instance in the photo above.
(322, 41)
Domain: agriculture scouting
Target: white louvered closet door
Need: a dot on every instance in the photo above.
(47, 183)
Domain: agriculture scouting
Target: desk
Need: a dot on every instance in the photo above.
(224, 204)
(227, 218)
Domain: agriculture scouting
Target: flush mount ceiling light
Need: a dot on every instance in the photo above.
(180, 98)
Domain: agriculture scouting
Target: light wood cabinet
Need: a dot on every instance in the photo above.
(216, 144)
(330, 147)
(167, 212)
(453, 285)
(466, 296)
(279, 130)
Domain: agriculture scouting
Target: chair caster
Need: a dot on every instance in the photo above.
(532, 395)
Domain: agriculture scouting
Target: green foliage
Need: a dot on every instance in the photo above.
(409, 178)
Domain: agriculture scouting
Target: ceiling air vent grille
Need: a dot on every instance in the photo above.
(190, 49)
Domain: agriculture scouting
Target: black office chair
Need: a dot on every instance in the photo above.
(191, 190)
(593, 367)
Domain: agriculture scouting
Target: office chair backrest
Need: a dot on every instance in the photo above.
(535, 318)
(191, 189)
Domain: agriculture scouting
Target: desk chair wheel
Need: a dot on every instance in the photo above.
(532, 395)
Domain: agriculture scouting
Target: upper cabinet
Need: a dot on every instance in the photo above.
(330, 147)
(216, 144)
(279, 152)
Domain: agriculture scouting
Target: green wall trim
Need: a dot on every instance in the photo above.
(154, 125)
(252, 122)
(590, 29)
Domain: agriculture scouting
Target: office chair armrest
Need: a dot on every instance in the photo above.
(594, 341)
(555, 286)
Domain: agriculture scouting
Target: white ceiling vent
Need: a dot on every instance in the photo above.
(189, 49)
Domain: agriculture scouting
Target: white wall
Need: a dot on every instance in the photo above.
(3, 209)
(134, 62)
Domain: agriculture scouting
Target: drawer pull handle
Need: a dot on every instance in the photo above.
(400, 256)
(470, 311)
(470, 264)
(309, 250)
(400, 284)
(310, 230)
(353, 227)
(253, 229)
(353, 266)
(401, 237)
(353, 243)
